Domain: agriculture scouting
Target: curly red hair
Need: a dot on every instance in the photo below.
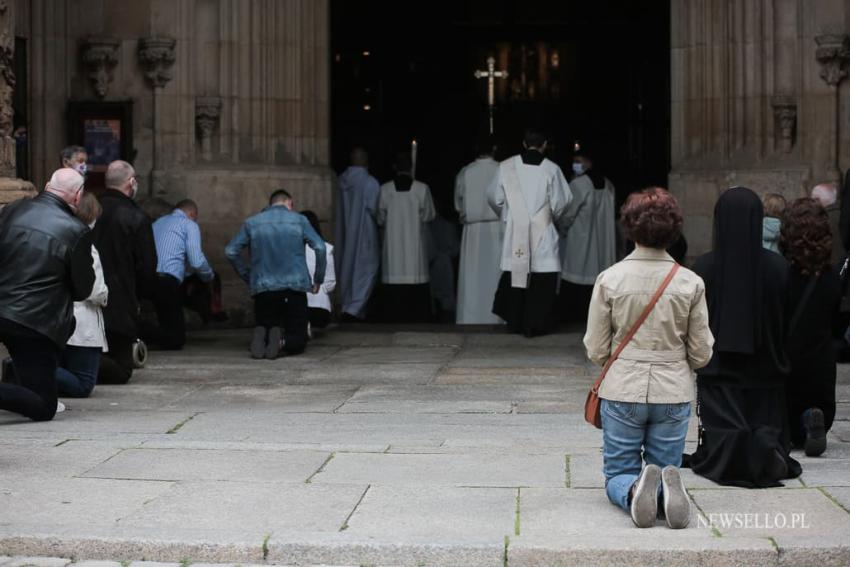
(806, 236)
(652, 218)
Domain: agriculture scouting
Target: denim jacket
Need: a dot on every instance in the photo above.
(275, 238)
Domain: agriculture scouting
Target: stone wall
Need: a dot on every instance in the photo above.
(230, 97)
(749, 105)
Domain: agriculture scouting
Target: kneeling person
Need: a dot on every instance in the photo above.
(278, 274)
(178, 245)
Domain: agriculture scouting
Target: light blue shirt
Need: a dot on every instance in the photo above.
(178, 246)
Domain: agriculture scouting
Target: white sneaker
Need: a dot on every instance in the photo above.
(60, 407)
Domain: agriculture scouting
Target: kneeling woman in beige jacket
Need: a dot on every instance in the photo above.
(646, 395)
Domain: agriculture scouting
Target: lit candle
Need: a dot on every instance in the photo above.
(413, 159)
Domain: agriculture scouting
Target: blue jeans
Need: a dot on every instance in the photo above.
(77, 372)
(629, 428)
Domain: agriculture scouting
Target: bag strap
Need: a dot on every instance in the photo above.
(636, 326)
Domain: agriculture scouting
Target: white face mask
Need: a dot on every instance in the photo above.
(578, 168)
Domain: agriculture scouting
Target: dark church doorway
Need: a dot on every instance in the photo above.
(596, 71)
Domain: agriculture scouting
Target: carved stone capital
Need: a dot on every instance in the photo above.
(156, 56)
(785, 113)
(833, 53)
(207, 113)
(100, 56)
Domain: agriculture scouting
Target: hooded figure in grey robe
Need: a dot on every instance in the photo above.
(358, 245)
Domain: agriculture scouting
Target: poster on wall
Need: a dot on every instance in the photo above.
(105, 130)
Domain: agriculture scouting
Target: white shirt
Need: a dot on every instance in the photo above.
(321, 300)
(90, 330)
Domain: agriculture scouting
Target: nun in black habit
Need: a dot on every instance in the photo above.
(743, 435)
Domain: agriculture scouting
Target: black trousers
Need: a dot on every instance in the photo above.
(528, 311)
(574, 302)
(170, 331)
(116, 366)
(286, 309)
(34, 359)
(319, 318)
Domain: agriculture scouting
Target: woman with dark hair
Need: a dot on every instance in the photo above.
(648, 388)
(815, 292)
(743, 437)
(319, 304)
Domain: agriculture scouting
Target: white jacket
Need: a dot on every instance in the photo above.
(321, 300)
(90, 330)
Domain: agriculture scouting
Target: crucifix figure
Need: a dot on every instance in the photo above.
(491, 74)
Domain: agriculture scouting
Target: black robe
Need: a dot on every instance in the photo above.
(741, 399)
(811, 383)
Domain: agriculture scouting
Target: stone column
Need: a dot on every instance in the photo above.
(833, 53)
(156, 57)
(11, 188)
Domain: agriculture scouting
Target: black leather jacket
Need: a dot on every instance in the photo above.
(45, 265)
(124, 239)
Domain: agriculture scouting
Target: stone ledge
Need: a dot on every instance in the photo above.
(336, 549)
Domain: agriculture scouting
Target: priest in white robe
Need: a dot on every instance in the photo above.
(357, 237)
(589, 244)
(481, 246)
(530, 193)
(405, 207)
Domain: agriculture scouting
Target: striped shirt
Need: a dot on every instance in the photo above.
(178, 245)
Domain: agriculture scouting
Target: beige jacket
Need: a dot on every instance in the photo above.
(658, 364)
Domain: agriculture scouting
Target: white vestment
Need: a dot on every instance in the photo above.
(403, 215)
(481, 245)
(589, 246)
(321, 300)
(540, 196)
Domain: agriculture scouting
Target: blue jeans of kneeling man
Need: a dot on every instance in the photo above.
(628, 429)
(77, 374)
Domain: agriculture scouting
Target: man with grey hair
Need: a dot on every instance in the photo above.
(124, 239)
(45, 265)
(827, 195)
(76, 158)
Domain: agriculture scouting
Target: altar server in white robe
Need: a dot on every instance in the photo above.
(404, 209)
(357, 237)
(481, 246)
(530, 193)
(589, 244)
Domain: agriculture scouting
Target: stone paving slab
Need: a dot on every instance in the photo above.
(497, 470)
(450, 513)
(277, 508)
(448, 398)
(787, 516)
(55, 502)
(180, 464)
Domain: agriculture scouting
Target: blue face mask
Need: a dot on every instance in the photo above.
(81, 168)
(578, 168)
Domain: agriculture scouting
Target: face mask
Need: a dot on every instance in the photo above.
(578, 168)
(81, 168)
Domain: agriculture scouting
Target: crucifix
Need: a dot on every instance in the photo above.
(491, 75)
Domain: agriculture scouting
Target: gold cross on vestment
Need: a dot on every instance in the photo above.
(491, 74)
